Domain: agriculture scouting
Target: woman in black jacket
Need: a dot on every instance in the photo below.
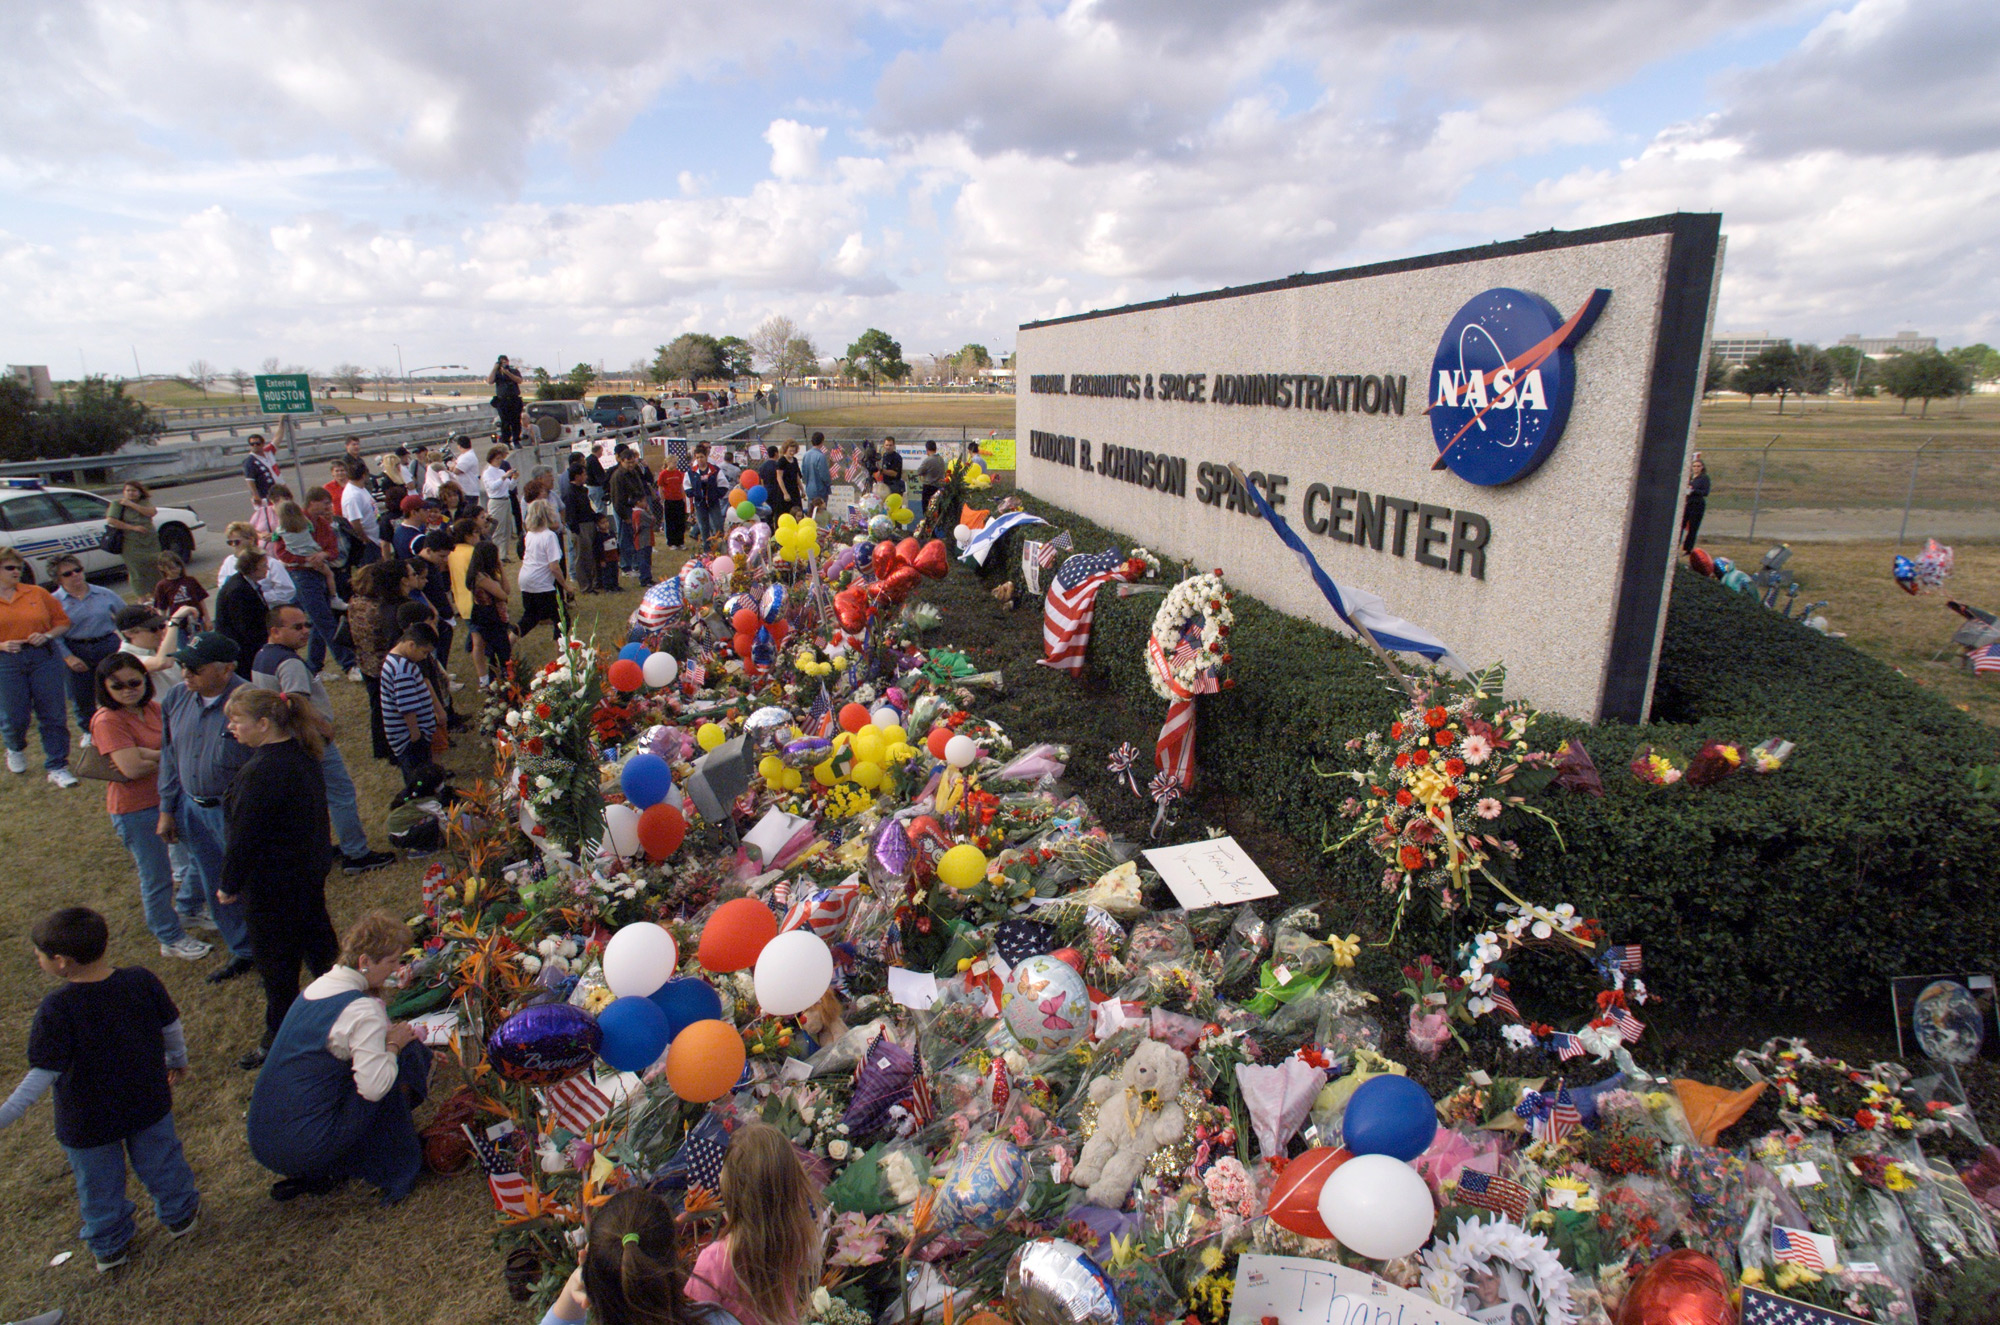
(278, 846)
(1696, 505)
(240, 610)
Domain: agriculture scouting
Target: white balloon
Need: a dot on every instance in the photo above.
(793, 970)
(660, 670)
(1378, 1207)
(961, 752)
(621, 829)
(639, 959)
(886, 717)
(963, 534)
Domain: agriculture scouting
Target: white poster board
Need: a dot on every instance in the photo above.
(1215, 872)
(1295, 1291)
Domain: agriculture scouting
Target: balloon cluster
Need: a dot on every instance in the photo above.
(797, 539)
(899, 512)
(1365, 1194)
(862, 751)
(745, 501)
(637, 666)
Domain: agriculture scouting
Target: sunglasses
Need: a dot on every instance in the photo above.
(72, 571)
(14, 566)
(126, 685)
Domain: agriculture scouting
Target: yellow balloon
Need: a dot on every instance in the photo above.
(788, 521)
(867, 774)
(962, 866)
(894, 501)
(772, 767)
(869, 747)
(823, 774)
(902, 515)
(894, 734)
(793, 779)
(708, 736)
(809, 527)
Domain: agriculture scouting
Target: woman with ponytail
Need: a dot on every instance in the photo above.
(629, 1271)
(278, 846)
(767, 1262)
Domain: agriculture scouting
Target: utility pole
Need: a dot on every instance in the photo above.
(400, 374)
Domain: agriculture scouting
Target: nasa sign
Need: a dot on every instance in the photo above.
(1492, 440)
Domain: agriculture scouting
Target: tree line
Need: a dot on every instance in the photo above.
(1787, 370)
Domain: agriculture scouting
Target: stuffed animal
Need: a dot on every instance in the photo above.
(1137, 1113)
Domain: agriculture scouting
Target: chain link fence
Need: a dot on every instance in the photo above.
(1941, 488)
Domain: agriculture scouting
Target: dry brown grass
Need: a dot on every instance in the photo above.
(252, 1261)
(1906, 632)
(915, 412)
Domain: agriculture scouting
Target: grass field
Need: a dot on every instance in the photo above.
(916, 412)
(428, 1261)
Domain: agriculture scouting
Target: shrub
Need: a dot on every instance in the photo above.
(96, 418)
(1868, 856)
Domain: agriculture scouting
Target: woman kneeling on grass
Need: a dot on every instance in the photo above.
(333, 1101)
(629, 1272)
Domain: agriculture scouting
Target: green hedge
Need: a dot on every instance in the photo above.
(1865, 858)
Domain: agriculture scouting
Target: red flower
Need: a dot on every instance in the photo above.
(1411, 858)
(1435, 717)
(1421, 757)
(1455, 766)
(1402, 761)
(1442, 738)
(1449, 793)
(538, 831)
(543, 711)
(1403, 797)
(1395, 731)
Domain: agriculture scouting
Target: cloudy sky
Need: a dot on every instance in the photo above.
(329, 181)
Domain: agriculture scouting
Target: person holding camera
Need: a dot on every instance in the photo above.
(506, 380)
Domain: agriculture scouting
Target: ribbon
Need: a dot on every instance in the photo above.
(1550, 1117)
(1166, 790)
(1121, 762)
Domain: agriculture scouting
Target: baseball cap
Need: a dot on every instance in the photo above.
(412, 502)
(208, 647)
(403, 451)
(138, 616)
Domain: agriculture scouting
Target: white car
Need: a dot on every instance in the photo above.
(40, 521)
(552, 421)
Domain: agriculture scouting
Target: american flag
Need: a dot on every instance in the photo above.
(1070, 605)
(701, 1158)
(819, 718)
(1047, 553)
(1551, 1118)
(1801, 1246)
(1173, 752)
(921, 1105)
(1762, 1308)
(1501, 1001)
(503, 1177)
(677, 449)
(1567, 1046)
(1627, 957)
(1488, 1192)
(1630, 1028)
(1986, 659)
(692, 677)
(661, 604)
(575, 1105)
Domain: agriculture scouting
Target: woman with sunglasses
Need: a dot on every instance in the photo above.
(92, 636)
(31, 672)
(126, 730)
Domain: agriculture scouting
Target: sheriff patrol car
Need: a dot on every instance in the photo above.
(40, 521)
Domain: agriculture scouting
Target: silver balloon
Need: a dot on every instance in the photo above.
(881, 527)
(768, 728)
(1051, 1282)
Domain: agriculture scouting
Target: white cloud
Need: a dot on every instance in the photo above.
(794, 148)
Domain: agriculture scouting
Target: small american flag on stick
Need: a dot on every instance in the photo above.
(503, 1176)
(1489, 1192)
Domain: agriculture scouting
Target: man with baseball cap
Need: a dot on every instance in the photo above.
(198, 761)
(411, 528)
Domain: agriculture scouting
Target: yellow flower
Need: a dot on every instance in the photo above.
(1345, 950)
(1754, 1275)
(1899, 1179)
(1790, 1274)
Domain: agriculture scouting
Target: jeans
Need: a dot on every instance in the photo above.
(313, 601)
(83, 684)
(163, 1171)
(708, 520)
(33, 680)
(342, 805)
(202, 829)
(633, 560)
(138, 830)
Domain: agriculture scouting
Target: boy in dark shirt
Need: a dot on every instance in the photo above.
(605, 553)
(111, 1044)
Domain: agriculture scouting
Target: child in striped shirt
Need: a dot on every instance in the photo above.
(409, 705)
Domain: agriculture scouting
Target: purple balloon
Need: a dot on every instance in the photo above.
(544, 1044)
(892, 849)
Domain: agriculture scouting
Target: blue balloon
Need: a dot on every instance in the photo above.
(647, 779)
(635, 1033)
(1387, 1115)
(638, 653)
(757, 495)
(686, 1001)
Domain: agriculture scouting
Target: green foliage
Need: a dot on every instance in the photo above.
(1771, 373)
(1973, 1296)
(1868, 856)
(95, 417)
(970, 359)
(736, 355)
(1928, 376)
(1982, 361)
(573, 385)
(876, 355)
(689, 357)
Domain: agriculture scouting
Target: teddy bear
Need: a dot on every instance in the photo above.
(1137, 1113)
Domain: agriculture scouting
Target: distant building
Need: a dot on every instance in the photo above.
(35, 377)
(1737, 348)
(997, 374)
(1903, 342)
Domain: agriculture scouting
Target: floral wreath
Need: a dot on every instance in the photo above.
(1536, 926)
(1202, 597)
(1450, 1264)
(1880, 1109)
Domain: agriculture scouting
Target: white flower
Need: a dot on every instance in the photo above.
(837, 1150)
(547, 947)
(806, 1115)
(1517, 1036)
(513, 718)
(822, 1301)
(1542, 929)
(568, 948)
(531, 963)
(1479, 1007)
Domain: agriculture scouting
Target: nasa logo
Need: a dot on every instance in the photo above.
(1502, 383)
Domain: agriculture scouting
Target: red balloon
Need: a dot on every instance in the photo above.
(779, 629)
(940, 736)
(933, 560)
(1680, 1288)
(744, 643)
(661, 830)
(746, 621)
(902, 582)
(735, 934)
(627, 675)
(906, 552)
(1069, 957)
(884, 560)
(928, 843)
(853, 717)
(1295, 1197)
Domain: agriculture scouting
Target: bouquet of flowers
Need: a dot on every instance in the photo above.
(555, 759)
(1444, 787)
(1656, 766)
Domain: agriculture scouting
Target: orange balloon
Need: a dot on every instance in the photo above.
(661, 829)
(737, 496)
(1681, 1288)
(705, 1061)
(1294, 1201)
(626, 675)
(735, 934)
(745, 621)
(939, 738)
(853, 717)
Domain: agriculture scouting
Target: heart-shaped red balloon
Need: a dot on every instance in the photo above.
(902, 582)
(885, 559)
(1294, 1203)
(928, 843)
(1681, 1288)
(933, 559)
(906, 552)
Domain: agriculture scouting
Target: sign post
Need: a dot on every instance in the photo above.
(286, 394)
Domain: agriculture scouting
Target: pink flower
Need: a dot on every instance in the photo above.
(1391, 878)
(1476, 749)
(1488, 808)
